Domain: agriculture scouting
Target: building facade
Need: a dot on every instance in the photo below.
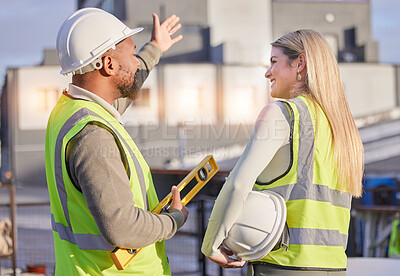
(204, 96)
(346, 24)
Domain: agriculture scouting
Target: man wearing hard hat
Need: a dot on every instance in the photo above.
(100, 186)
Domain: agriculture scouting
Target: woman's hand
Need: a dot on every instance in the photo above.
(224, 259)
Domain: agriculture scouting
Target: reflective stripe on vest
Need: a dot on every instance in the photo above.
(83, 241)
(311, 234)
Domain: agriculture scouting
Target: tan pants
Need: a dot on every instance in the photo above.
(266, 270)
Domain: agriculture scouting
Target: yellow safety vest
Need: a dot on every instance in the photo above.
(79, 247)
(318, 214)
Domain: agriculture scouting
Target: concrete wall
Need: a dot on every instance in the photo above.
(224, 31)
(31, 93)
(330, 18)
(397, 70)
(240, 32)
(203, 94)
(243, 27)
(370, 88)
(191, 110)
(193, 14)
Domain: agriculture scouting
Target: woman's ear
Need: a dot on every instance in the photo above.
(301, 62)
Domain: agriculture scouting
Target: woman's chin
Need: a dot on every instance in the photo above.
(273, 94)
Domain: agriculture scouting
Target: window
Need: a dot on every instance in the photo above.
(47, 98)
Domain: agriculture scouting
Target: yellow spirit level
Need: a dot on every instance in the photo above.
(123, 256)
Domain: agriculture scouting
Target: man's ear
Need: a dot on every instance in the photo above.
(301, 62)
(109, 65)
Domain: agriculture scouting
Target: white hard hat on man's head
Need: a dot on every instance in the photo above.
(85, 36)
(259, 226)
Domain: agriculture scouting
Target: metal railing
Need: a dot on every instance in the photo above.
(35, 245)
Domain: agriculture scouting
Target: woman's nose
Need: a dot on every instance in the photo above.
(268, 73)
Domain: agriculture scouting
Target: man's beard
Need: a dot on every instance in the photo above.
(127, 87)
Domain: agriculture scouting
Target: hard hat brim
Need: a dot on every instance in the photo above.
(135, 31)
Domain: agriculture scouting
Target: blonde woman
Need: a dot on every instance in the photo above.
(305, 147)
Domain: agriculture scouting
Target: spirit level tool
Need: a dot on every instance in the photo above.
(123, 256)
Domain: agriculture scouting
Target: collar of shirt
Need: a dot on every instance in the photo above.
(83, 94)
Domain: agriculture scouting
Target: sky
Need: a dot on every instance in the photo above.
(27, 27)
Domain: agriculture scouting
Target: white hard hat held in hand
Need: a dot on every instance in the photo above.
(259, 226)
(85, 36)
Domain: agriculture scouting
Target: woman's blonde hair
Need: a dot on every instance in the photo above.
(323, 85)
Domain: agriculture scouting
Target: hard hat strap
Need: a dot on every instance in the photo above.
(95, 65)
(284, 240)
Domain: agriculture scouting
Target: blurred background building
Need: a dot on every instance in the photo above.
(207, 91)
(345, 24)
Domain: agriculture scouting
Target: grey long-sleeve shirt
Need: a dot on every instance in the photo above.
(97, 170)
